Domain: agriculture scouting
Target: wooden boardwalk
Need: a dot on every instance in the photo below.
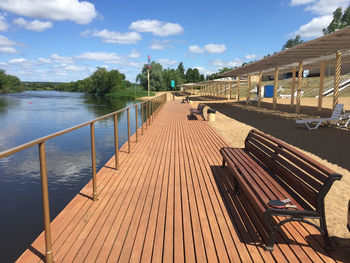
(169, 201)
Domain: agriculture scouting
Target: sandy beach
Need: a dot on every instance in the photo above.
(328, 145)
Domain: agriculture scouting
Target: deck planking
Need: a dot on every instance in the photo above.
(170, 201)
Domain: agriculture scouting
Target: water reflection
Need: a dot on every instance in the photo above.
(29, 115)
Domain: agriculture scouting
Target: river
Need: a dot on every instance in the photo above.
(32, 114)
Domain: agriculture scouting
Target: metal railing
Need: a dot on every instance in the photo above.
(148, 109)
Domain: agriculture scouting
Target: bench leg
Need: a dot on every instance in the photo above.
(324, 231)
(272, 232)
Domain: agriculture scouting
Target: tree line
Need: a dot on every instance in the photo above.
(160, 79)
(100, 83)
(9, 83)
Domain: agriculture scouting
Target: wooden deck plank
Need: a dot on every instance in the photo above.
(170, 201)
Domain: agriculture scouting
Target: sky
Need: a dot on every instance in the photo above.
(66, 40)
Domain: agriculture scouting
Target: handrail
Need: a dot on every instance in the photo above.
(151, 106)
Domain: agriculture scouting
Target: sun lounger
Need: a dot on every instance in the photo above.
(344, 118)
(335, 118)
(288, 96)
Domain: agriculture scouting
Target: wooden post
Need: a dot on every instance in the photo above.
(336, 79)
(260, 88)
(237, 87)
(116, 143)
(293, 86)
(275, 84)
(320, 92)
(230, 89)
(248, 88)
(46, 203)
(300, 83)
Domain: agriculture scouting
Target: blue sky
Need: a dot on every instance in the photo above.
(65, 40)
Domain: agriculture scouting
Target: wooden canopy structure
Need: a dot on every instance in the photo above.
(333, 47)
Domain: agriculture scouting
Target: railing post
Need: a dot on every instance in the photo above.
(136, 122)
(46, 205)
(150, 112)
(142, 118)
(116, 146)
(146, 114)
(93, 159)
(128, 114)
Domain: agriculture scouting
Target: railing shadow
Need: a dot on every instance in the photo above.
(36, 252)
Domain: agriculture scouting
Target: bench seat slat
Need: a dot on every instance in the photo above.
(267, 180)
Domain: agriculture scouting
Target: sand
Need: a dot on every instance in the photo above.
(328, 145)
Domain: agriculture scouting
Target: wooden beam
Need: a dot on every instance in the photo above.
(260, 88)
(320, 92)
(237, 87)
(293, 86)
(336, 79)
(275, 84)
(230, 89)
(300, 82)
(248, 88)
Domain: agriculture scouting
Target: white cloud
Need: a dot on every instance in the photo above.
(44, 60)
(215, 48)
(100, 56)
(60, 59)
(3, 24)
(6, 45)
(117, 37)
(218, 63)
(35, 25)
(74, 68)
(134, 54)
(326, 7)
(314, 27)
(110, 58)
(301, 2)
(166, 62)
(158, 28)
(250, 56)
(81, 12)
(8, 50)
(205, 71)
(4, 41)
(195, 49)
(160, 44)
(22, 62)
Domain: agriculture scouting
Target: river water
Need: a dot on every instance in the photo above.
(33, 114)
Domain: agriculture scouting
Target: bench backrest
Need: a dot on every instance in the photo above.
(307, 180)
(200, 107)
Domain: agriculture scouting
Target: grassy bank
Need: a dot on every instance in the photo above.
(129, 94)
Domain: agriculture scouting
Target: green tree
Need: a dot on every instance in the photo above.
(292, 42)
(157, 82)
(181, 73)
(339, 21)
(9, 83)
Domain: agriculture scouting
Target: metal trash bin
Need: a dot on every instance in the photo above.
(211, 115)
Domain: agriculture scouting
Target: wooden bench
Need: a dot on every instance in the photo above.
(198, 111)
(269, 169)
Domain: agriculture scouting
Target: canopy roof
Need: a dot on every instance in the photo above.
(311, 52)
